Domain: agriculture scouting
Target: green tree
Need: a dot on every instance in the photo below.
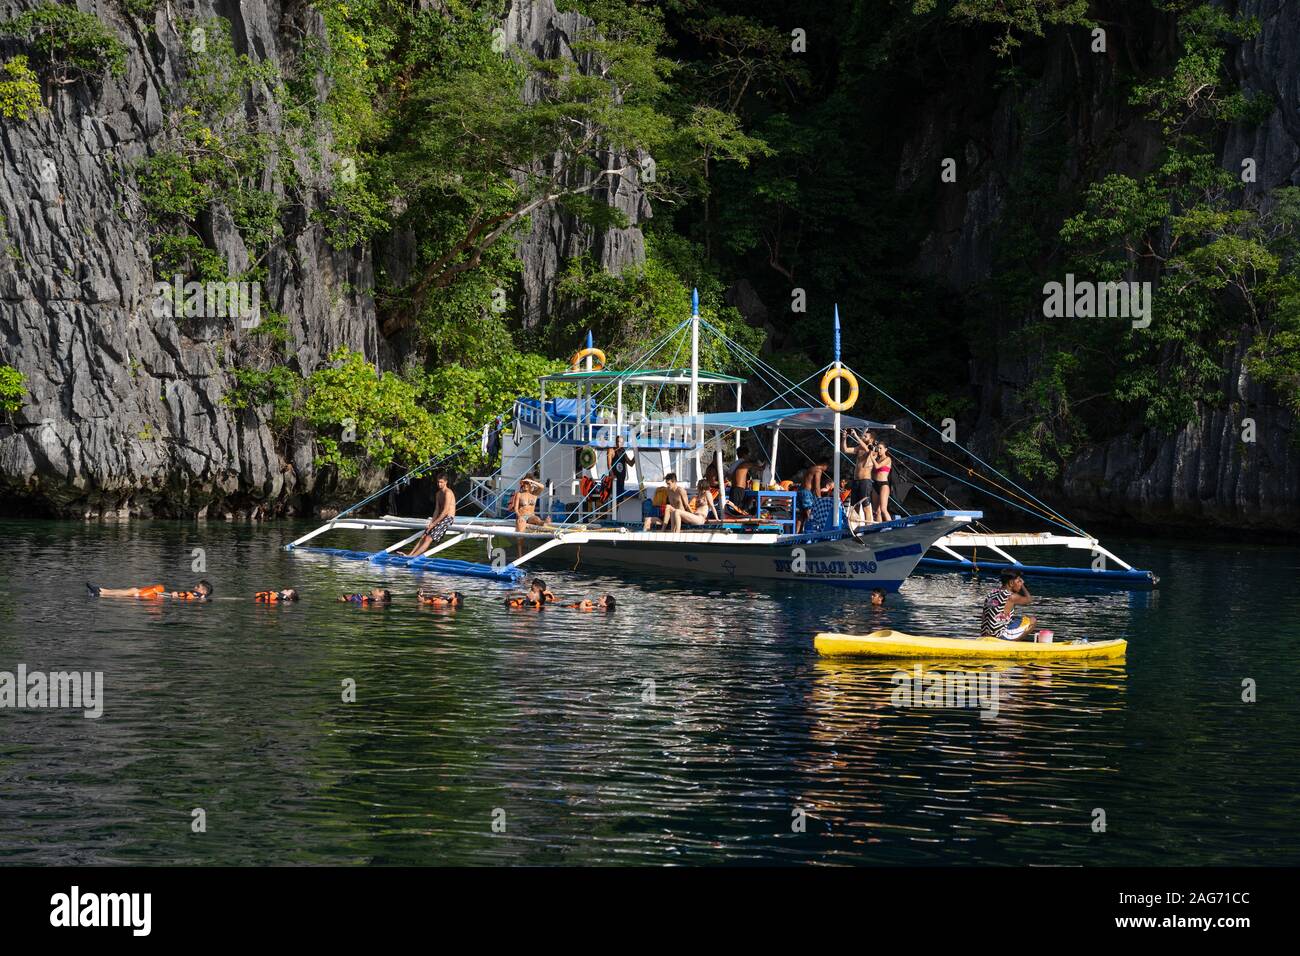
(13, 389)
(65, 44)
(20, 92)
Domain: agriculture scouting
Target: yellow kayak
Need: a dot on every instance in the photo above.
(897, 644)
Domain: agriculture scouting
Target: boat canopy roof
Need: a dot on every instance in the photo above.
(809, 418)
(646, 376)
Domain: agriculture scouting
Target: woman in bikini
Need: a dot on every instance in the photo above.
(697, 512)
(881, 464)
(524, 504)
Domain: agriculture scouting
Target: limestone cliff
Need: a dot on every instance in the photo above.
(125, 412)
(1204, 474)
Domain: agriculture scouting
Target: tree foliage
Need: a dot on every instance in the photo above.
(20, 91)
(66, 45)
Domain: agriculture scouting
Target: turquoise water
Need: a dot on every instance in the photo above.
(695, 725)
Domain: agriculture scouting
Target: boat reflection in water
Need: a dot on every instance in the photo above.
(1024, 748)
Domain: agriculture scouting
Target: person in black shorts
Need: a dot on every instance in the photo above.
(862, 448)
(618, 459)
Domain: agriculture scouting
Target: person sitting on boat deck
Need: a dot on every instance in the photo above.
(881, 464)
(808, 490)
(995, 618)
(723, 508)
(617, 461)
(877, 597)
(603, 603)
(444, 502)
(524, 503)
(738, 492)
(652, 509)
(697, 511)
(376, 596)
(200, 592)
(283, 596)
(671, 494)
(436, 599)
(862, 448)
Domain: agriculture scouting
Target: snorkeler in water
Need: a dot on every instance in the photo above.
(376, 596)
(434, 599)
(153, 592)
(605, 603)
(535, 598)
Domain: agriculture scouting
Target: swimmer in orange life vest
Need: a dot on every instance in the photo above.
(535, 598)
(376, 596)
(606, 602)
(454, 599)
(276, 597)
(201, 592)
(540, 586)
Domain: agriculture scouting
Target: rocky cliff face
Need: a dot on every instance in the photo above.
(1206, 473)
(538, 28)
(125, 412)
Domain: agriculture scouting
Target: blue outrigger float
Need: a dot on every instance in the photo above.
(563, 443)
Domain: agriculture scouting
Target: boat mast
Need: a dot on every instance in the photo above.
(584, 394)
(838, 442)
(696, 431)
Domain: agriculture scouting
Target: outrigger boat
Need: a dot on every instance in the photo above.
(564, 444)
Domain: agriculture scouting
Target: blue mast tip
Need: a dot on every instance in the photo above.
(837, 332)
(695, 302)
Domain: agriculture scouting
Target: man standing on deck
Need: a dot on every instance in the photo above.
(617, 461)
(862, 449)
(444, 501)
(812, 488)
(738, 491)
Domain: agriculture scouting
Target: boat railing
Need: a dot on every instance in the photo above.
(488, 495)
(602, 430)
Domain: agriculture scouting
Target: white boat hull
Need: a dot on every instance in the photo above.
(880, 559)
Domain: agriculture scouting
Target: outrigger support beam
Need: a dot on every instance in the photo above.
(994, 542)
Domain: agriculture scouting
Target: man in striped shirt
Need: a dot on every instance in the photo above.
(999, 606)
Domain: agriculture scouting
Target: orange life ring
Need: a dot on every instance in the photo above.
(829, 379)
(578, 356)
